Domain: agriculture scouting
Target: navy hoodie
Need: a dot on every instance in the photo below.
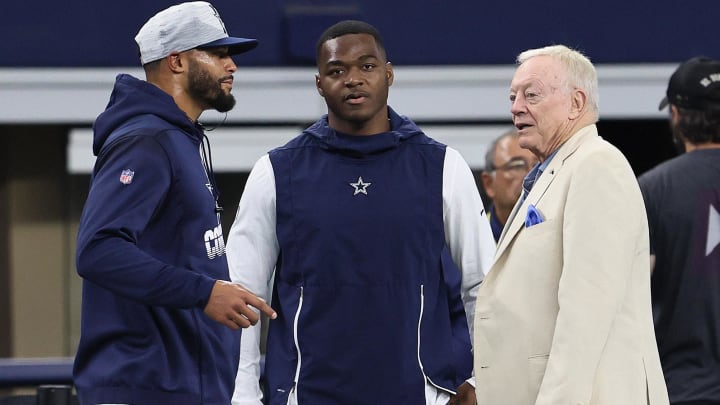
(150, 247)
(367, 295)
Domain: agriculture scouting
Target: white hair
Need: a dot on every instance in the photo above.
(580, 71)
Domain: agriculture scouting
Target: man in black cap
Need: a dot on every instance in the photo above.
(682, 197)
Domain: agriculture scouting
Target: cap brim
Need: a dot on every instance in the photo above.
(663, 103)
(235, 45)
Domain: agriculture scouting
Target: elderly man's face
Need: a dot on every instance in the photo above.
(541, 105)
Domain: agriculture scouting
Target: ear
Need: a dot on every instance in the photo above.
(674, 114)
(487, 182)
(317, 85)
(176, 62)
(679, 138)
(578, 100)
(389, 74)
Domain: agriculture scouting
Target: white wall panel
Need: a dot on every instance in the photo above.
(283, 95)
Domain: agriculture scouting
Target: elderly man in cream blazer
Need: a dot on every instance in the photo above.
(564, 316)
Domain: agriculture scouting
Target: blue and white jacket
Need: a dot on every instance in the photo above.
(378, 244)
(150, 247)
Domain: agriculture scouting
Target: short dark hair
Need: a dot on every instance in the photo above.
(154, 65)
(349, 27)
(490, 153)
(699, 126)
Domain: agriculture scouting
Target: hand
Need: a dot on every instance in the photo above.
(465, 395)
(231, 305)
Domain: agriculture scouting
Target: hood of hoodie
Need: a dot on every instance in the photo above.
(402, 129)
(132, 97)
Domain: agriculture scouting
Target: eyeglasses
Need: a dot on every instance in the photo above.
(518, 167)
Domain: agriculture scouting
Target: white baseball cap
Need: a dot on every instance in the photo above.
(185, 26)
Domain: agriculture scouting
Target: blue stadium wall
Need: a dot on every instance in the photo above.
(99, 33)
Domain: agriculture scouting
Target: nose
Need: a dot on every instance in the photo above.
(231, 66)
(517, 106)
(352, 81)
(354, 78)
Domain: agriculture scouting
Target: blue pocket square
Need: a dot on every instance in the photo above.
(533, 217)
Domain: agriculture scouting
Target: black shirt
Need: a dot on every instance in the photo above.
(682, 197)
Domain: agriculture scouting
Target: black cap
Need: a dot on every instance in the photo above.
(695, 85)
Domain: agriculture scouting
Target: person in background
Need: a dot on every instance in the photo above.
(377, 240)
(682, 197)
(506, 164)
(563, 316)
(160, 318)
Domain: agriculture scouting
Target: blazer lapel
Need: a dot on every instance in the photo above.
(516, 221)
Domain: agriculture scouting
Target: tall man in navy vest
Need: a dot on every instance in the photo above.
(563, 316)
(377, 240)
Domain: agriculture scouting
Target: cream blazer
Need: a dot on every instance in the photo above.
(564, 315)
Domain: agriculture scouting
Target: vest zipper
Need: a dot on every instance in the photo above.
(422, 368)
(297, 344)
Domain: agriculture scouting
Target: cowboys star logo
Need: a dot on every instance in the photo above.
(360, 186)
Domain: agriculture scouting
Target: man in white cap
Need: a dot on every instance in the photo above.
(160, 320)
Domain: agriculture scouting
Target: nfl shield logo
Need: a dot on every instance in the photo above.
(126, 176)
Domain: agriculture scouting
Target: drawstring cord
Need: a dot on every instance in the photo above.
(209, 172)
(207, 162)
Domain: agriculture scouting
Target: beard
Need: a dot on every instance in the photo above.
(208, 90)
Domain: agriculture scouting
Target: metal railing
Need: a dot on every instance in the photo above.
(28, 372)
(52, 377)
